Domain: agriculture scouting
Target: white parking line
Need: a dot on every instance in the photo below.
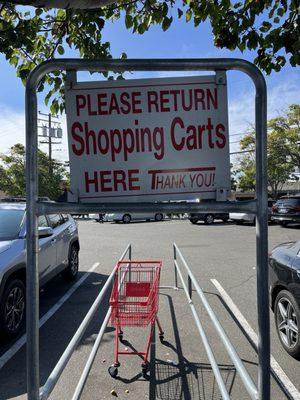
(20, 342)
(275, 367)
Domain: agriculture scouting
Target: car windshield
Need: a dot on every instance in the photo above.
(289, 202)
(10, 223)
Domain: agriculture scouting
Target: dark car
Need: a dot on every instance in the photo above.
(286, 210)
(284, 272)
(208, 218)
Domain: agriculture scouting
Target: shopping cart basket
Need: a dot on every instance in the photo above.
(134, 303)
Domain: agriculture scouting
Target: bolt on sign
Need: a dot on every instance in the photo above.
(149, 140)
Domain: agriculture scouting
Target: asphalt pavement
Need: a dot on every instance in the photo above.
(179, 366)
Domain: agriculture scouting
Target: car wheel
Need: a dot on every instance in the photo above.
(209, 219)
(284, 223)
(126, 218)
(287, 320)
(70, 273)
(225, 220)
(12, 308)
(158, 217)
(194, 221)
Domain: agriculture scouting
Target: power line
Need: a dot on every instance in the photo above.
(237, 134)
(244, 151)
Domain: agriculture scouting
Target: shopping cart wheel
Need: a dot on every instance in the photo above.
(113, 371)
(145, 370)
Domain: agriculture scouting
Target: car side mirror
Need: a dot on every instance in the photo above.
(45, 231)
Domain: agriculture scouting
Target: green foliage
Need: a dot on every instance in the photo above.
(289, 127)
(270, 27)
(12, 174)
(283, 152)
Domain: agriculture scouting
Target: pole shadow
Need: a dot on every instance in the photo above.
(184, 380)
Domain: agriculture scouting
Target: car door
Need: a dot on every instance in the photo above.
(60, 227)
(47, 251)
(296, 273)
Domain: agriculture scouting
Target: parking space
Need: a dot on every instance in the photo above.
(179, 368)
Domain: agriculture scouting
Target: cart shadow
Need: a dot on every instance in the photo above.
(138, 376)
(184, 380)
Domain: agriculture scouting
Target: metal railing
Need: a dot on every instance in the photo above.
(244, 375)
(58, 369)
(34, 208)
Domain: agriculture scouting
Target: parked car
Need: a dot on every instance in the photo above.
(99, 217)
(240, 218)
(128, 217)
(284, 271)
(208, 218)
(58, 253)
(286, 210)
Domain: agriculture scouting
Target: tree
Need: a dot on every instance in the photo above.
(282, 152)
(12, 174)
(30, 36)
(289, 127)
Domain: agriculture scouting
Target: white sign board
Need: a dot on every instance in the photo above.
(148, 140)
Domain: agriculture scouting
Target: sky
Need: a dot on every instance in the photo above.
(182, 40)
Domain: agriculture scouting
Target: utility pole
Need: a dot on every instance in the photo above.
(50, 145)
(52, 129)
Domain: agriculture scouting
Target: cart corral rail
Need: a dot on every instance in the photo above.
(258, 207)
(122, 274)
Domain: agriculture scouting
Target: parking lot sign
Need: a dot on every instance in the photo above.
(149, 139)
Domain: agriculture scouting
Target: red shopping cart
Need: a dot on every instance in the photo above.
(134, 302)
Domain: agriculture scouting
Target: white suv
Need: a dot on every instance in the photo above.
(58, 253)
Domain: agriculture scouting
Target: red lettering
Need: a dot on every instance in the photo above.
(115, 147)
(113, 106)
(119, 178)
(175, 93)
(90, 134)
(132, 180)
(212, 98)
(136, 102)
(177, 146)
(220, 135)
(90, 111)
(209, 127)
(80, 103)
(104, 181)
(89, 181)
(199, 98)
(124, 101)
(152, 101)
(164, 100)
(78, 151)
(101, 103)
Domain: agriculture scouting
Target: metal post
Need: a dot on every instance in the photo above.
(175, 269)
(129, 253)
(32, 281)
(190, 287)
(50, 145)
(262, 242)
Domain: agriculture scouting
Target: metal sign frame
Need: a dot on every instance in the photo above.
(35, 208)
